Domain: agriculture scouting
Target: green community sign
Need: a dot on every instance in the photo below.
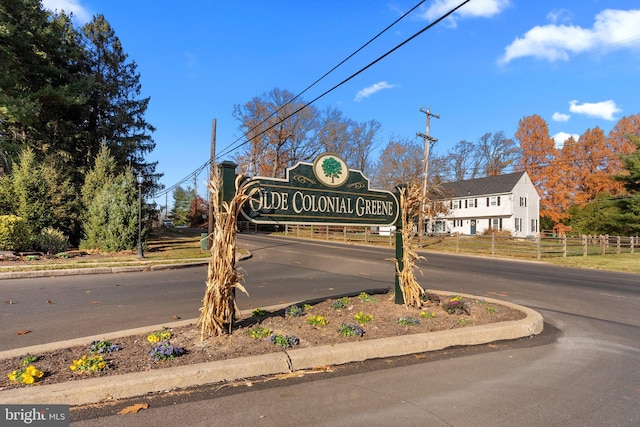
(323, 192)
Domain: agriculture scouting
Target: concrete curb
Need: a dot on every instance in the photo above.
(97, 270)
(96, 390)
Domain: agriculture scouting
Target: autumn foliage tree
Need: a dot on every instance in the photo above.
(537, 156)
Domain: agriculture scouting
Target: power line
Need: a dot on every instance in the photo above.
(360, 71)
(295, 97)
(232, 148)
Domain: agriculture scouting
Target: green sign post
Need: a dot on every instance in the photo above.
(324, 192)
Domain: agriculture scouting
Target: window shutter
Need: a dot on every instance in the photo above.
(498, 200)
(487, 201)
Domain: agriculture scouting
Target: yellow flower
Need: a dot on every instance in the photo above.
(13, 376)
(27, 379)
(73, 367)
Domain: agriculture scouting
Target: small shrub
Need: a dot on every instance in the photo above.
(165, 351)
(427, 315)
(431, 297)
(365, 297)
(28, 375)
(464, 322)
(258, 312)
(408, 321)
(89, 364)
(104, 346)
(51, 241)
(363, 318)
(456, 305)
(294, 311)
(28, 359)
(307, 307)
(491, 310)
(284, 341)
(15, 233)
(341, 303)
(259, 332)
(317, 321)
(350, 330)
(159, 336)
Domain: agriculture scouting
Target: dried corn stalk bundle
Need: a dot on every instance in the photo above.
(218, 304)
(410, 202)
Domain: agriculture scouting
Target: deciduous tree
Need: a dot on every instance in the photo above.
(400, 163)
(537, 156)
(496, 152)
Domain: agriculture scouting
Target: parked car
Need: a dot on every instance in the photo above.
(167, 223)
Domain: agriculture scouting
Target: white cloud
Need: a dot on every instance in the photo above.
(611, 29)
(80, 13)
(474, 9)
(559, 15)
(560, 117)
(602, 110)
(561, 137)
(368, 91)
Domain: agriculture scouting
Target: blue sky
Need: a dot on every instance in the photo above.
(574, 63)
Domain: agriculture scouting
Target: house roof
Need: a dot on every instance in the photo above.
(497, 184)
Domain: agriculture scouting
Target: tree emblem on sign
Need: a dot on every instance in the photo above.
(331, 168)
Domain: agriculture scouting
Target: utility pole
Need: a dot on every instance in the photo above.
(428, 139)
(212, 172)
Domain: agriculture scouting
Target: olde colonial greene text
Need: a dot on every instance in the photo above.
(300, 202)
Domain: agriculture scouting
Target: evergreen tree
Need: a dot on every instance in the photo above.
(64, 200)
(182, 200)
(31, 189)
(630, 205)
(42, 85)
(115, 111)
(104, 170)
(112, 216)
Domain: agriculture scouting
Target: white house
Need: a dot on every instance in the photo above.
(502, 202)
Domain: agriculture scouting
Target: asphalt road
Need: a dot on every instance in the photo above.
(582, 371)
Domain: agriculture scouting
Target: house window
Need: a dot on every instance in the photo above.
(496, 223)
(523, 202)
(534, 225)
(457, 223)
(473, 203)
(493, 201)
(456, 204)
(518, 224)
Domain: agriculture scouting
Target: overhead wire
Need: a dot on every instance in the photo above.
(232, 148)
(352, 76)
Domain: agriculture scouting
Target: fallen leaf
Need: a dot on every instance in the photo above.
(8, 301)
(49, 301)
(420, 356)
(23, 332)
(134, 409)
(296, 374)
(94, 302)
(175, 316)
(87, 292)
